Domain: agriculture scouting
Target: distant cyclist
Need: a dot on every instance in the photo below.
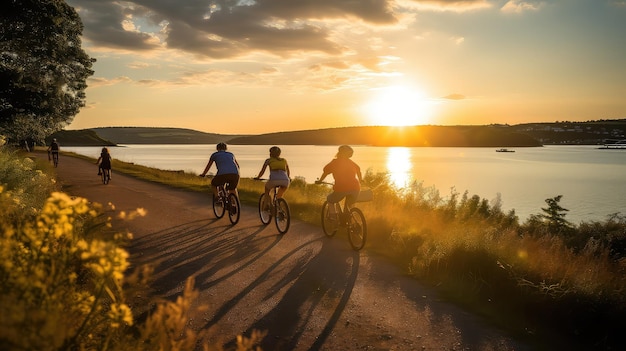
(104, 161)
(53, 150)
(279, 173)
(227, 169)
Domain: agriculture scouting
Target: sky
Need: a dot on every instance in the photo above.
(261, 66)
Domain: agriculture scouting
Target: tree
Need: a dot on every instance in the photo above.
(43, 68)
(553, 216)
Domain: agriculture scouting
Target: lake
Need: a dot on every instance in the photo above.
(592, 181)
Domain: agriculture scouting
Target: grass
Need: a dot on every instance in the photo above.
(545, 279)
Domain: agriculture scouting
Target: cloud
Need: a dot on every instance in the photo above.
(95, 82)
(141, 65)
(226, 28)
(451, 5)
(454, 96)
(519, 6)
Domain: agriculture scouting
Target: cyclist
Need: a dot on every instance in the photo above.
(279, 174)
(227, 169)
(54, 149)
(104, 161)
(348, 178)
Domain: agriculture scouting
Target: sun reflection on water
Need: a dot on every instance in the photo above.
(399, 166)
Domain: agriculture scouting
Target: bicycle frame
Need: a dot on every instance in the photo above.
(226, 201)
(278, 208)
(347, 217)
(106, 175)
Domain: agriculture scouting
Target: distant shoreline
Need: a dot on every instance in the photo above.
(496, 136)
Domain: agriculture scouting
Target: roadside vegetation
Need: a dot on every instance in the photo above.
(546, 279)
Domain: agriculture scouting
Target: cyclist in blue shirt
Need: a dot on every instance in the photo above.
(227, 169)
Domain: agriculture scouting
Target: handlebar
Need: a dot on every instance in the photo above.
(322, 182)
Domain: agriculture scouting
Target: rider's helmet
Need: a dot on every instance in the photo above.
(274, 151)
(345, 151)
(221, 146)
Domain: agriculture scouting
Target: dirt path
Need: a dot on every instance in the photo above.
(308, 292)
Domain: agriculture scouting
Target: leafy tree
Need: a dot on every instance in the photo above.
(554, 214)
(43, 69)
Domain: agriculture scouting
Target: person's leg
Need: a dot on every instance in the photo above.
(216, 182)
(334, 201)
(281, 191)
(233, 182)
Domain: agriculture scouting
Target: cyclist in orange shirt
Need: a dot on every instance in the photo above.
(347, 175)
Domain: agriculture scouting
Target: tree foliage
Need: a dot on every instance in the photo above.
(43, 68)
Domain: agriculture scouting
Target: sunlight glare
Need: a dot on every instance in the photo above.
(399, 166)
(398, 106)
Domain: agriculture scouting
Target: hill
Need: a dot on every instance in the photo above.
(521, 135)
(85, 137)
(149, 135)
(449, 136)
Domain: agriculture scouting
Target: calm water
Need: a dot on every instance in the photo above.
(592, 181)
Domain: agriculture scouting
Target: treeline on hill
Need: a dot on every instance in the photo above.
(446, 136)
(521, 135)
(84, 137)
(450, 136)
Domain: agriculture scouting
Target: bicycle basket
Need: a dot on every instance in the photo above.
(365, 195)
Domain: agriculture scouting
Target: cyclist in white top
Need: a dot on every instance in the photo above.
(279, 173)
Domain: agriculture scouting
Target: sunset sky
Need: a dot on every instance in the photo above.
(247, 67)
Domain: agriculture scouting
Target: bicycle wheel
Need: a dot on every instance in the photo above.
(218, 203)
(329, 224)
(55, 159)
(105, 176)
(234, 210)
(283, 216)
(265, 210)
(357, 229)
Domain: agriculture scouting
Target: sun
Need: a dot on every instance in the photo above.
(398, 106)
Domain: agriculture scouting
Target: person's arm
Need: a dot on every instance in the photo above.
(98, 160)
(206, 169)
(288, 172)
(325, 172)
(262, 169)
(323, 176)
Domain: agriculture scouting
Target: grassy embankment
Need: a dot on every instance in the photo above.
(546, 279)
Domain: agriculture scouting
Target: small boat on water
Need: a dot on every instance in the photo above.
(614, 144)
(504, 150)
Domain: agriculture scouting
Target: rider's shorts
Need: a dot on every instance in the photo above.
(272, 183)
(231, 178)
(337, 196)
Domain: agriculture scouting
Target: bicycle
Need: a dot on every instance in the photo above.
(55, 158)
(106, 175)
(226, 201)
(277, 208)
(348, 217)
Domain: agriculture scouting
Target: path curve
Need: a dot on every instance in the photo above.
(307, 291)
